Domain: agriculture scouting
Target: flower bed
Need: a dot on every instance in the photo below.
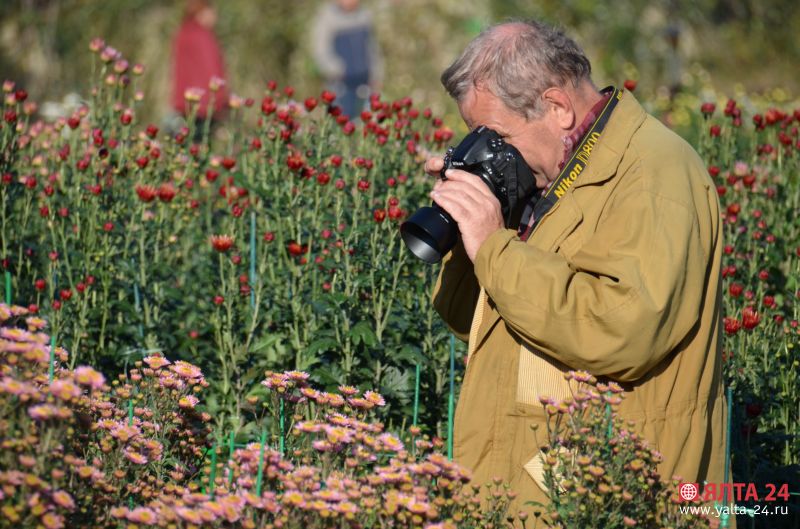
(78, 451)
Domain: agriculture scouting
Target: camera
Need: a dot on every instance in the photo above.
(431, 232)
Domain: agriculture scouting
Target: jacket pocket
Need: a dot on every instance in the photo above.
(570, 245)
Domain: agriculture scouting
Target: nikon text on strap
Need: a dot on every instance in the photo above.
(576, 164)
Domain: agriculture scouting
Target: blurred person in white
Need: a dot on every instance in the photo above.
(346, 52)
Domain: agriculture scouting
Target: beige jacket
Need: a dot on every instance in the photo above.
(621, 278)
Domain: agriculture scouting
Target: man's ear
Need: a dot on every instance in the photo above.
(558, 102)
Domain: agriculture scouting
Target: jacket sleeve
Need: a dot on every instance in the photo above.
(456, 292)
(620, 304)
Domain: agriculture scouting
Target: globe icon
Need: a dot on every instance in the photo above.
(688, 491)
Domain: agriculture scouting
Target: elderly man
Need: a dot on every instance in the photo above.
(620, 277)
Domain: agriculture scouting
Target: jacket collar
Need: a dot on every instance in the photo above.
(628, 116)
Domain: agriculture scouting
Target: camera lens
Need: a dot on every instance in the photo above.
(430, 233)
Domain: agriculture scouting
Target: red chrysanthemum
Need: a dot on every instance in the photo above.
(222, 243)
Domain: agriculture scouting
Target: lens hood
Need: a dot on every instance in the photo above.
(430, 233)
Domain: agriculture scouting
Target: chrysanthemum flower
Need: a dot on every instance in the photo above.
(135, 457)
(189, 515)
(374, 398)
(580, 376)
(146, 192)
(11, 386)
(321, 445)
(308, 426)
(276, 381)
(125, 432)
(86, 376)
(63, 499)
(348, 391)
(363, 404)
(35, 324)
(15, 334)
(222, 243)
(347, 508)
(335, 400)
(596, 471)
(390, 442)
(294, 498)
(42, 412)
(86, 471)
(193, 95)
(186, 370)
(142, 515)
(188, 401)
(298, 375)
(156, 361)
(52, 521)
(338, 435)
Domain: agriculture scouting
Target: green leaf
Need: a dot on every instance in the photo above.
(266, 342)
(362, 333)
(397, 384)
(330, 376)
(321, 345)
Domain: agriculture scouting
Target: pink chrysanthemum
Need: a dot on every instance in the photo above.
(142, 515)
(63, 499)
(188, 401)
(348, 390)
(374, 398)
(42, 412)
(390, 442)
(86, 376)
(135, 457)
(186, 370)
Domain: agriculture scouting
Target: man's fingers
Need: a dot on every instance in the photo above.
(467, 184)
(471, 180)
(459, 204)
(434, 165)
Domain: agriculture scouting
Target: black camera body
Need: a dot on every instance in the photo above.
(431, 232)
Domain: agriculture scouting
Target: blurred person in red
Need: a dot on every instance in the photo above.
(198, 62)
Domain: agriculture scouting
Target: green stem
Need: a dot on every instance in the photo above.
(451, 398)
(261, 461)
(416, 394)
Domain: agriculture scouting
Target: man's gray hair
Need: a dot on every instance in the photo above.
(517, 61)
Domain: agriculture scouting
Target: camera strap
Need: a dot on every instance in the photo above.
(574, 167)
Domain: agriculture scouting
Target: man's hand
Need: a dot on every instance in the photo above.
(470, 202)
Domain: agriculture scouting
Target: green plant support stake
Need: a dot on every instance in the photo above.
(451, 401)
(282, 440)
(137, 306)
(213, 475)
(261, 461)
(252, 258)
(724, 518)
(230, 456)
(416, 395)
(130, 412)
(52, 369)
(8, 287)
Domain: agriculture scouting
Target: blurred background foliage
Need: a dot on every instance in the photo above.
(706, 48)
